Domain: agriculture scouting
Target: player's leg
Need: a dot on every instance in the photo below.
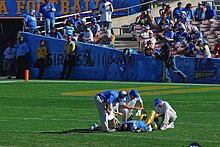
(169, 118)
(102, 113)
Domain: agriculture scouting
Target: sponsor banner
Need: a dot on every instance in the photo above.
(199, 70)
(95, 62)
(14, 8)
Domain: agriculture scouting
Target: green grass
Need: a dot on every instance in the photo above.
(39, 113)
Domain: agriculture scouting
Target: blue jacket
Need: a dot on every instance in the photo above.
(210, 13)
(46, 10)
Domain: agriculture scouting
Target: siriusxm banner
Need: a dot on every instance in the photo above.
(14, 8)
(99, 63)
(93, 62)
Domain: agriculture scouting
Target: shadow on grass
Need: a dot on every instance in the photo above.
(73, 131)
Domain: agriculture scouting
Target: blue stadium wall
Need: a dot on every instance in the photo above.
(100, 63)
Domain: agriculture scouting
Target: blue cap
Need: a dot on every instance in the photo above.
(157, 101)
(149, 10)
(134, 93)
(93, 20)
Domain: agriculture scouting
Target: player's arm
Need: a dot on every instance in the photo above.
(130, 107)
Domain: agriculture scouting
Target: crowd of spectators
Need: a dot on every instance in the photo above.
(177, 27)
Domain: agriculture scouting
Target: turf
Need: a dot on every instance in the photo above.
(59, 113)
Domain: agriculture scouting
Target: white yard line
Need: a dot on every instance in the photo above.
(121, 82)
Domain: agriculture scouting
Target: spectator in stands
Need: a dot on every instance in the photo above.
(95, 28)
(196, 34)
(81, 26)
(189, 12)
(151, 38)
(191, 50)
(107, 38)
(149, 49)
(167, 33)
(177, 11)
(55, 33)
(30, 23)
(41, 59)
(206, 49)
(162, 10)
(77, 20)
(9, 56)
(210, 13)
(48, 9)
(163, 21)
(217, 50)
(69, 61)
(144, 35)
(88, 35)
(185, 20)
(69, 29)
(169, 13)
(179, 24)
(106, 10)
(141, 19)
(169, 62)
(22, 57)
(181, 36)
(200, 50)
(199, 12)
(150, 19)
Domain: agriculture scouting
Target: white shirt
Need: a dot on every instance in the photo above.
(106, 13)
(153, 40)
(207, 51)
(127, 100)
(88, 34)
(165, 107)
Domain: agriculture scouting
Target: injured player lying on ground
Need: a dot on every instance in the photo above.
(145, 123)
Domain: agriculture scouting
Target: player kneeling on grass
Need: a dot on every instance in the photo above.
(128, 105)
(104, 102)
(164, 109)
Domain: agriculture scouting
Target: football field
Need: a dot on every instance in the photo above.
(59, 113)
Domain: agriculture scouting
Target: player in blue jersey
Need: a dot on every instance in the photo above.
(104, 103)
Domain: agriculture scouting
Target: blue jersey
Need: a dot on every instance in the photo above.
(21, 49)
(109, 96)
(31, 21)
(199, 14)
(181, 37)
(136, 125)
(69, 30)
(198, 35)
(189, 13)
(177, 12)
(46, 10)
(169, 34)
(95, 29)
